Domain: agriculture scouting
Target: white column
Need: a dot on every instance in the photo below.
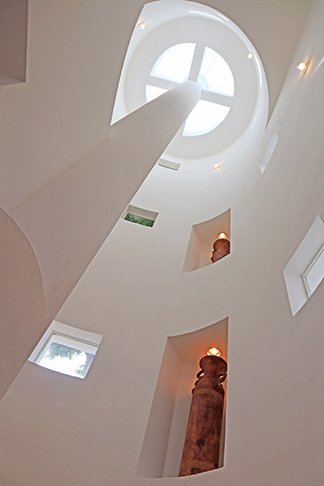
(69, 218)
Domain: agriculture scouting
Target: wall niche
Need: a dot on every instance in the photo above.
(13, 41)
(201, 240)
(167, 423)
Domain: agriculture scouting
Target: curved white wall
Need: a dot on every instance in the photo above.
(22, 303)
(136, 294)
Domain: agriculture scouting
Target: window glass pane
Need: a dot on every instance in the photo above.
(66, 355)
(174, 64)
(133, 218)
(215, 74)
(204, 118)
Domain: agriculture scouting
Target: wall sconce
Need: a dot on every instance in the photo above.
(303, 66)
(201, 449)
(221, 247)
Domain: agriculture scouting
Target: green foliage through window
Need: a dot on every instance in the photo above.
(139, 219)
(61, 350)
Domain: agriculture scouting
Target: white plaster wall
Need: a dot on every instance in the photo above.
(13, 39)
(22, 305)
(274, 28)
(73, 67)
(135, 294)
(68, 219)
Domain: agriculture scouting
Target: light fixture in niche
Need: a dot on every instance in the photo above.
(213, 352)
(202, 238)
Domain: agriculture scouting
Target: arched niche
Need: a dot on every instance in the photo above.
(166, 426)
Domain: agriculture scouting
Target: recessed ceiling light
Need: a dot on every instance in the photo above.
(250, 55)
(217, 166)
(142, 24)
(303, 66)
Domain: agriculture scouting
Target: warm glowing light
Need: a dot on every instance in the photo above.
(302, 66)
(217, 166)
(250, 55)
(142, 25)
(213, 352)
(222, 236)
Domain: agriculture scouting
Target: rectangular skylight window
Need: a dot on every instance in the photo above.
(168, 164)
(140, 216)
(67, 350)
(314, 273)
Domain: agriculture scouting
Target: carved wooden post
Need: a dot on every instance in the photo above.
(202, 442)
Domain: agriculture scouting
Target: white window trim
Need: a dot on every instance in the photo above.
(309, 268)
(77, 336)
(76, 343)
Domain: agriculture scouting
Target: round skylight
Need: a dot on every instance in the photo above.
(195, 62)
(182, 43)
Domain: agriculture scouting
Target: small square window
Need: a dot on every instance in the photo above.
(67, 350)
(140, 216)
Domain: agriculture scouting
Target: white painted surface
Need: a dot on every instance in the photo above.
(13, 39)
(22, 305)
(55, 217)
(135, 293)
(293, 272)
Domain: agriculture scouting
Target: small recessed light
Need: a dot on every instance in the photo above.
(250, 55)
(142, 24)
(303, 66)
(217, 166)
(213, 352)
(222, 236)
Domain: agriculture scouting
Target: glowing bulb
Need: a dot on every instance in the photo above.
(222, 236)
(217, 166)
(142, 25)
(302, 66)
(250, 55)
(213, 352)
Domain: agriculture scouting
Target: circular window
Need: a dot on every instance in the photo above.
(209, 50)
(189, 61)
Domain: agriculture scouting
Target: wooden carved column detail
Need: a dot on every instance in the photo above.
(202, 443)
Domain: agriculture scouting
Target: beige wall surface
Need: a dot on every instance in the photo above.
(56, 429)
